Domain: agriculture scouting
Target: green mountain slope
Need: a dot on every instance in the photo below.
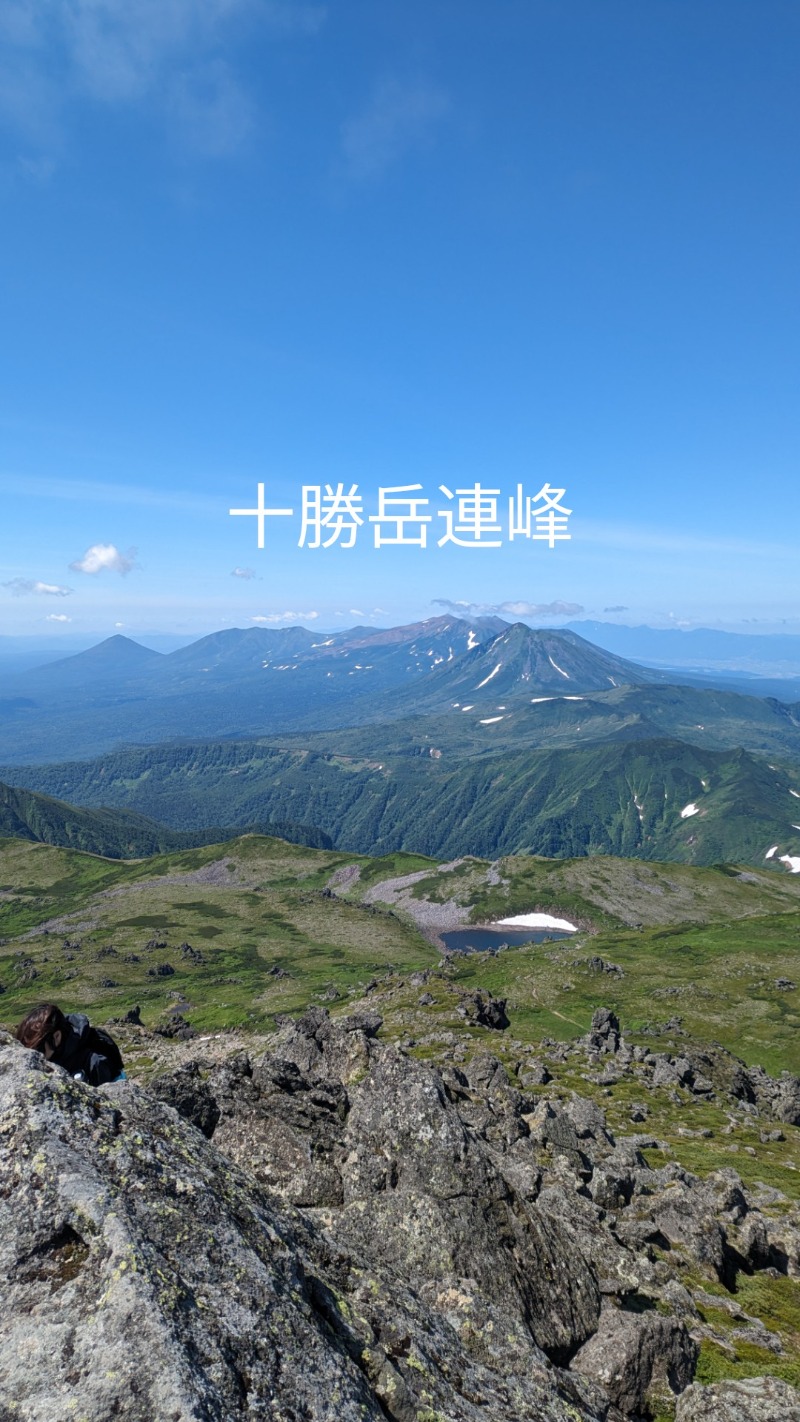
(710, 719)
(522, 661)
(116, 834)
(624, 798)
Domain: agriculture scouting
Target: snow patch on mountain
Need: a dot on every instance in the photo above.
(489, 677)
(557, 667)
(538, 920)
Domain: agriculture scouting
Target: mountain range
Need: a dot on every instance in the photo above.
(758, 652)
(260, 680)
(447, 737)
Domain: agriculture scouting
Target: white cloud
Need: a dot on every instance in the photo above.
(57, 617)
(170, 57)
(510, 609)
(102, 557)
(20, 586)
(558, 608)
(398, 117)
(247, 573)
(285, 617)
(119, 624)
(356, 612)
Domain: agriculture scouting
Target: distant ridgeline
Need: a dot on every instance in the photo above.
(119, 834)
(260, 681)
(446, 738)
(658, 799)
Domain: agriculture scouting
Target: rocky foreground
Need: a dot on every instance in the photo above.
(335, 1230)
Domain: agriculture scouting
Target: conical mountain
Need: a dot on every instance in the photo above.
(521, 661)
(115, 660)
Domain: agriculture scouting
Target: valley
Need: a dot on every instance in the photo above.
(441, 738)
(274, 927)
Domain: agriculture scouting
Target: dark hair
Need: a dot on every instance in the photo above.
(40, 1024)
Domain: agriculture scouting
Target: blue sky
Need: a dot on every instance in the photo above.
(382, 243)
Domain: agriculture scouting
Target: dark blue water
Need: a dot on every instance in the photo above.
(481, 940)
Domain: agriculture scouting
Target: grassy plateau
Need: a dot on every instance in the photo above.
(232, 935)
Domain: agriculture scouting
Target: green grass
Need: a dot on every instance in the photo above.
(719, 978)
(256, 904)
(716, 1364)
(281, 924)
(709, 951)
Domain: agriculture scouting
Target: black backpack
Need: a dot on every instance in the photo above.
(97, 1040)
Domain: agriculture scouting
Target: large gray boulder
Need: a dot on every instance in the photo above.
(142, 1278)
(420, 1183)
(147, 1278)
(637, 1356)
(751, 1400)
(685, 1217)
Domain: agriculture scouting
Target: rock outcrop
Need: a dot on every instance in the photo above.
(752, 1400)
(334, 1230)
(636, 1356)
(145, 1276)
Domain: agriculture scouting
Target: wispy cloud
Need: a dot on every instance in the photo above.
(21, 586)
(57, 617)
(399, 116)
(246, 573)
(272, 617)
(105, 557)
(176, 57)
(510, 609)
(616, 609)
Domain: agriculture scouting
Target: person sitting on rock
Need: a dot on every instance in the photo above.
(87, 1053)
